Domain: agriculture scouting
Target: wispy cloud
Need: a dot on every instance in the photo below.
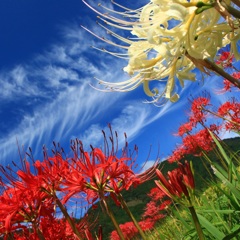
(69, 108)
(60, 77)
(56, 102)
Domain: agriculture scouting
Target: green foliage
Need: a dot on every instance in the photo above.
(177, 225)
(217, 207)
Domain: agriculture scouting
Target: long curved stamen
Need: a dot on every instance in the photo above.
(167, 42)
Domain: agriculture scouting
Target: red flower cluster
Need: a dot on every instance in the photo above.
(228, 86)
(195, 143)
(231, 112)
(97, 174)
(23, 201)
(30, 196)
(198, 115)
(225, 59)
(180, 182)
(152, 214)
(154, 208)
(130, 231)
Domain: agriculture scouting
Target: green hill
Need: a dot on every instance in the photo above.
(137, 198)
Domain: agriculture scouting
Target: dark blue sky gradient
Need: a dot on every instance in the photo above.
(46, 65)
(28, 26)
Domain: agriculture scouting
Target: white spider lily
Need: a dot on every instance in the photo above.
(169, 39)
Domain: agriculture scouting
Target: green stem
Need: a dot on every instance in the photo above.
(119, 231)
(111, 215)
(127, 210)
(64, 211)
(68, 218)
(9, 236)
(39, 233)
(196, 223)
(230, 192)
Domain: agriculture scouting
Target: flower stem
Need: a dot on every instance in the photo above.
(204, 64)
(212, 66)
(233, 11)
(224, 118)
(111, 215)
(119, 231)
(196, 223)
(237, 2)
(68, 218)
(127, 210)
(39, 233)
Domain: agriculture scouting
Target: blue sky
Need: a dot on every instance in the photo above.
(46, 66)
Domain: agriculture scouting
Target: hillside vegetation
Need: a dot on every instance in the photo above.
(137, 198)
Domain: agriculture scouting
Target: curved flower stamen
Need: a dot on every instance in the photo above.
(169, 39)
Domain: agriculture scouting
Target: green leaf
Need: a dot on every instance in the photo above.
(191, 234)
(232, 199)
(221, 170)
(236, 231)
(228, 159)
(228, 184)
(210, 228)
(186, 224)
(220, 148)
(219, 211)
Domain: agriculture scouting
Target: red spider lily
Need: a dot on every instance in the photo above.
(180, 182)
(51, 171)
(230, 111)
(100, 173)
(225, 59)
(185, 128)
(129, 231)
(177, 154)
(23, 198)
(156, 195)
(194, 144)
(59, 229)
(47, 175)
(97, 173)
(152, 210)
(228, 86)
(200, 141)
(198, 115)
(148, 223)
(23, 205)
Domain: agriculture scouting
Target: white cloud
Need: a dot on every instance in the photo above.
(55, 74)
(146, 165)
(19, 74)
(131, 120)
(75, 110)
(59, 120)
(67, 107)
